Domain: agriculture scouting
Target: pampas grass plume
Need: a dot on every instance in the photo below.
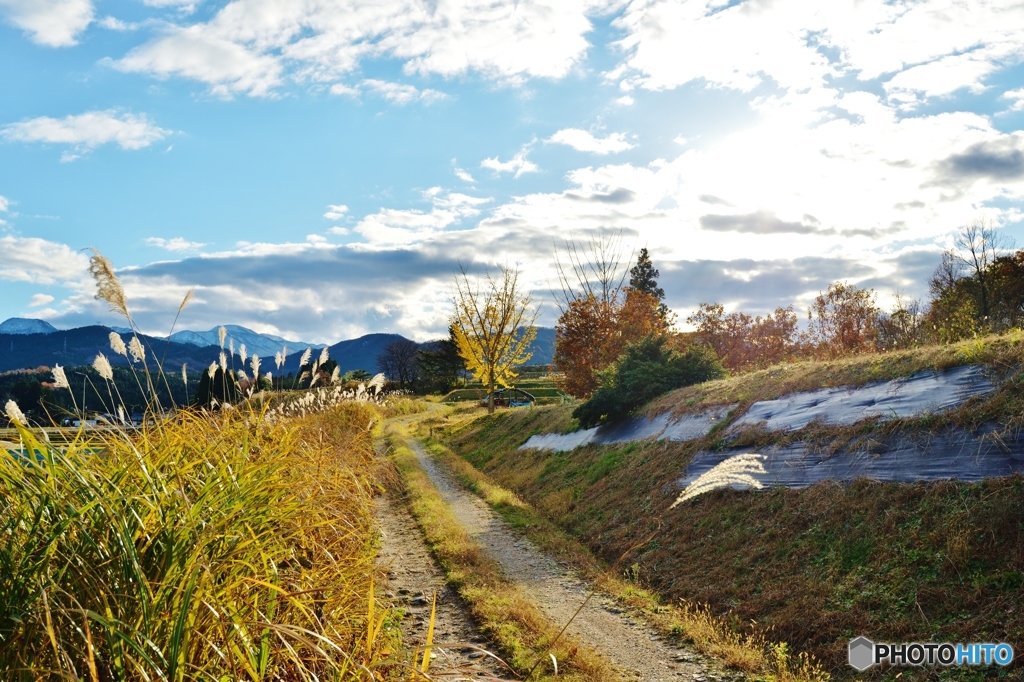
(136, 349)
(117, 344)
(305, 357)
(14, 414)
(211, 371)
(255, 364)
(733, 471)
(108, 286)
(222, 331)
(102, 365)
(323, 355)
(184, 373)
(243, 353)
(223, 361)
(60, 379)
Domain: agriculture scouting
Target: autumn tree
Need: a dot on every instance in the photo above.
(494, 327)
(600, 314)
(902, 327)
(842, 320)
(742, 340)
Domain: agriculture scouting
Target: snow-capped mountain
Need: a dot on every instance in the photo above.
(264, 345)
(22, 325)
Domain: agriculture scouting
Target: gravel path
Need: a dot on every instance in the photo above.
(413, 577)
(631, 645)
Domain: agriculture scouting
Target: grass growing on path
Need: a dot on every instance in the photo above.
(518, 626)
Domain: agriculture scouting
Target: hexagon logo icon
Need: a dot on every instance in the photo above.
(862, 653)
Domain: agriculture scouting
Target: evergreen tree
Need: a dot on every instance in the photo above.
(441, 364)
(644, 276)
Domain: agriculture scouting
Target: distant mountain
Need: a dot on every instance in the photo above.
(543, 347)
(22, 325)
(263, 345)
(353, 354)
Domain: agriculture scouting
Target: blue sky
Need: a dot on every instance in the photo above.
(318, 169)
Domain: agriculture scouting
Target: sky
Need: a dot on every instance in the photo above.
(321, 169)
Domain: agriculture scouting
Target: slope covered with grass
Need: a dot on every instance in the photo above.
(937, 561)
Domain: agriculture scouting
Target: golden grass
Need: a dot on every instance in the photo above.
(511, 618)
(207, 547)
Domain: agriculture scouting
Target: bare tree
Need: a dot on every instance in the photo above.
(593, 268)
(398, 361)
(977, 246)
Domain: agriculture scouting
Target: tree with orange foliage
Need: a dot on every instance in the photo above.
(843, 320)
(596, 325)
(743, 341)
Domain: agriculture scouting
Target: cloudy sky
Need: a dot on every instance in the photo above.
(319, 168)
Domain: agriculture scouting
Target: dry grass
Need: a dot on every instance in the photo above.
(208, 547)
(511, 618)
(1003, 353)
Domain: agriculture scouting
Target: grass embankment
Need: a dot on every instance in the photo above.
(202, 548)
(932, 561)
(514, 621)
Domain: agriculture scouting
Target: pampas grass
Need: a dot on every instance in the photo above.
(136, 350)
(243, 354)
(117, 344)
(60, 379)
(736, 470)
(102, 366)
(108, 286)
(14, 414)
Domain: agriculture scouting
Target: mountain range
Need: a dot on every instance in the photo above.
(26, 343)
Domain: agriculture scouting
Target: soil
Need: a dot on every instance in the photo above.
(634, 647)
(460, 650)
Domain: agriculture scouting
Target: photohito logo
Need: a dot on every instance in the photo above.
(864, 653)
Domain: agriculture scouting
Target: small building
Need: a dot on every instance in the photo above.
(511, 397)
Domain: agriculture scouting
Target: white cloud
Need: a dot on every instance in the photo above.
(583, 141)
(54, 23)
(390, 228)
(625, 100)
(201, 53)
(115, 24)
(40, 299)
(342, 89)
(174, 244)
(518, 164)
(249, 45)
(4, 204)
(336, 211)
(87, 131)
(1016, 97)
(401, 93)
(30, 259)
(464, 175)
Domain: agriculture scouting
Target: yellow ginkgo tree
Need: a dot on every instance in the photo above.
(494, 327)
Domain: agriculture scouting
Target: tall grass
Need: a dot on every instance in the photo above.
(204, 547)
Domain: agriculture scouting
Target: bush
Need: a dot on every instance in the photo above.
(643, 372)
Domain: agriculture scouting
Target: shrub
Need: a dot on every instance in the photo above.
(643, 372)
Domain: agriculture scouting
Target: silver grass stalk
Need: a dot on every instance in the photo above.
(14, 414)
(231, 347)
(242, 353)
(117, 344)
(60, 379)
(184, 373)
(278, 359)
(188, 299)
(120, 414)
(222, 331)
(270, 377)
(377, 383)
(255, 364)
(108, 286)
(323, 355)
(305, 357)
(733, 471)
(211, 371)
(242, 376)
(223, 361)
(102, 365)
(336, 375)
(137, 351)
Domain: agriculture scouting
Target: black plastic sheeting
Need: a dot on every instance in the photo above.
(956, 454)
(661, 427)
(923, 393)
